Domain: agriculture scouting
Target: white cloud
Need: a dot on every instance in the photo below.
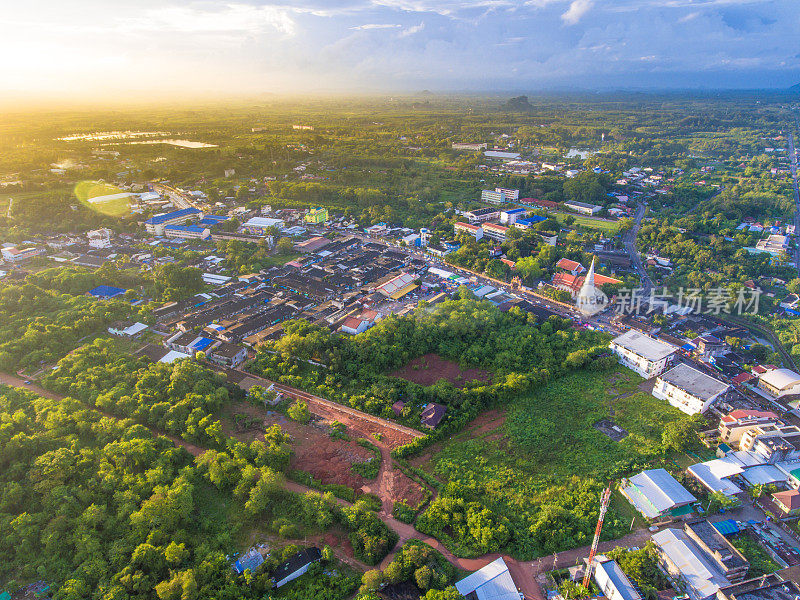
(377, 26)
(227, 18)
(576, 10)
(690, 17)
(412, 30)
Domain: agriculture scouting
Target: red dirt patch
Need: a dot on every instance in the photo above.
(407, 489)
(315, 451)
(430, 368)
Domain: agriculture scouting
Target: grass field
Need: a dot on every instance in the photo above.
(547, 453)
(604, 226)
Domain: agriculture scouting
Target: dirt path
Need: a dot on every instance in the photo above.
(525, 573)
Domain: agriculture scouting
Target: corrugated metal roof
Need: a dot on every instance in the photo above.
(492, 582)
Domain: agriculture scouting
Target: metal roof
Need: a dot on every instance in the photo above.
(781, 378)
(492, 582)
(645, 346)
(662, 489)
(703, 578)
(177, 214)
(609, 572)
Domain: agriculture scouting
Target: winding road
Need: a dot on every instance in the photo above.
(524, 572)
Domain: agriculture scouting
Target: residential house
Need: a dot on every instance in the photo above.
(612, 582)
(227, 354)
(788, 501)
(432, 414)
(296, 566)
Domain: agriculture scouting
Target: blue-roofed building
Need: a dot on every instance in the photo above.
(727, 527)
(251, 560)
(211, 220)
(529, 222)
(104, 292)
(508, 217)
(187, 231)
(156, 224)
(201, 343)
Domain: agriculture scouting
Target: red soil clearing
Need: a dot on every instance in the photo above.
(430, 368)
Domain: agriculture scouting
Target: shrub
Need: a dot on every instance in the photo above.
(403, 512)
(299, 412)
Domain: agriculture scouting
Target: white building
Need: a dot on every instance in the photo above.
(473, 230)
(641, 353)
(15, 255)
(492, 582)
(495, 232)
(509, 217)
(688, 390)
(780, 382)
(613, 583)
(99, 238)
(260, 225)
(499, 195)
(187, 232)
(583, 208)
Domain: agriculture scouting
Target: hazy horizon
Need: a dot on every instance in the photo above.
(147, 48)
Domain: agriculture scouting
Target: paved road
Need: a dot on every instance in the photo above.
(629, 240)
(796, 192)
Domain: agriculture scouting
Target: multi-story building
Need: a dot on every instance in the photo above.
(155, 225)
(99, 238)
(688, 390)
(475, 231)
(481, 215)
(736, 423)
(641, 353)
(17, 255)
(227, 354)
(499, 196)
(317, 215)
(509, 217)
(186, 232)
(700, 559)
(495, 232)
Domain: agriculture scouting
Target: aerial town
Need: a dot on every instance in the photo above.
(390, 341)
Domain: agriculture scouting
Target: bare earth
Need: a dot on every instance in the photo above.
(430, 368)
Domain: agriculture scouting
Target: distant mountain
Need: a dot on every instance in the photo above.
(518, 103)
(795, 88)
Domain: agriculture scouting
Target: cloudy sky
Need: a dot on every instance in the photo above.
(247, 46)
